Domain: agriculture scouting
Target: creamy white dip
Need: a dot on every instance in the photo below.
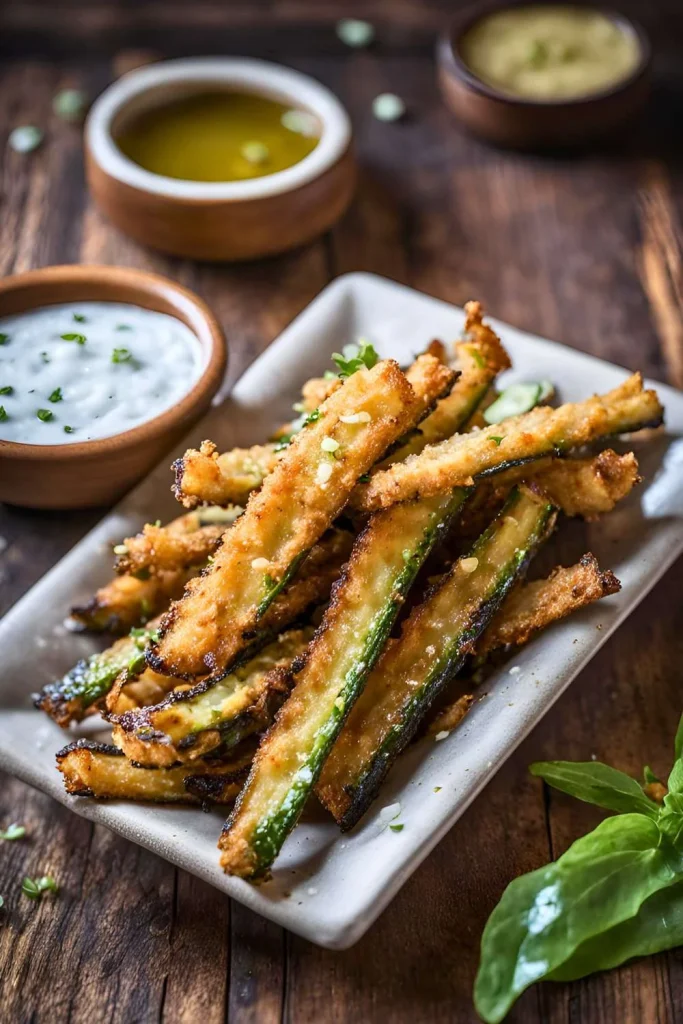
(87, 370)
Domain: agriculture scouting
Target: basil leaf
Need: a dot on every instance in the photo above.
(596, 783)
(678, 742)
(671, 817)
(657, 926)
(545, 916)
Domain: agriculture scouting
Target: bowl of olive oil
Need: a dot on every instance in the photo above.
(219, 159)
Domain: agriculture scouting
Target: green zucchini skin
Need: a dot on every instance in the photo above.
(68, 699)
(366, 786)
(266, 838)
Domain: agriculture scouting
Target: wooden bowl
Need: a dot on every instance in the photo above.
(534, 124)
(93, 473)
(234, 220)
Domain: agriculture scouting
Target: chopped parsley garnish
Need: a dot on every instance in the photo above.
(35, 889)
(396, 828)
(80, 339)
(312, 417)
(496, 439)
(123, 327)
(68, 430)
(13, 832)
(355, 357)
(79, 318)
(122, 355)
(364, 479)
(4, 338)
(3, 414)
(7, 390)
(56, 395)
(44, 415)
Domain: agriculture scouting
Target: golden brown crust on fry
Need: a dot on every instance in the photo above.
(456, 461)
(101, 771)
(207, 477)
(533, 606)
(126, 601)
(206, 630)
(156, 548)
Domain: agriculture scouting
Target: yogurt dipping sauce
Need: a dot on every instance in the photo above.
(87, 370)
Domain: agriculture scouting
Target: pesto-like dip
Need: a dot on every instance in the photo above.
(550, 53)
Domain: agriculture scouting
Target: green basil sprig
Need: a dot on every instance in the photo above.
(616, 893)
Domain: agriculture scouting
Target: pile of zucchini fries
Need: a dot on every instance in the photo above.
(333, 592)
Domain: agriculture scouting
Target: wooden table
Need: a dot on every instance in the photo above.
(584, 250)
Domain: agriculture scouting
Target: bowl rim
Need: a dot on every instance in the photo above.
(200, 319)
(259, 76)
(450, 60)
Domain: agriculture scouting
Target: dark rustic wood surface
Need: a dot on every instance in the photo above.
(586, 250)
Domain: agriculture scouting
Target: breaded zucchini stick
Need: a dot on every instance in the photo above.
(208, 629)
(479, 359)
(84, 687)
(71, 698)
(184, 728)
(385, 560)
(435, 640)
(126, 602)
(543, 431)
(534, 606)
(578, 487)
(166, 548)
(527, 610)
(206, 475)
(101, 771)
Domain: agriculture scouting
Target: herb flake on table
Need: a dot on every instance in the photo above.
(13, 832)
(35, 888)
(7, 390)
(616, 893)
(56, 396)
(45, 415)
(80, 339)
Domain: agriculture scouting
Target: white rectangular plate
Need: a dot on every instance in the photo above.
(327, 887)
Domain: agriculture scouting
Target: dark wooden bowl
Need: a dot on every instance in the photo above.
(535, 124)
(93, 473)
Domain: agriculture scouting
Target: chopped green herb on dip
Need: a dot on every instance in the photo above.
(61, 386)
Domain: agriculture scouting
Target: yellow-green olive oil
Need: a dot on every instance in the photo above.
(219, 136)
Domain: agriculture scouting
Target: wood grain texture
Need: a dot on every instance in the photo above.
(586, 250)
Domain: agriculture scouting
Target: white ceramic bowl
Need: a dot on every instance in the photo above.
(220, 220)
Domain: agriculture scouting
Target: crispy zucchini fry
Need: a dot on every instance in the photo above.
(534, 606)
(101, 771)
(543, 431)
(131, 690)
(529, 608)
(71, 698)
(207, 630)
(435, 639)
(578, 487)
(184, 728)
(383, 565)
(126, 602)
(480, 360)
(205, 475)
(187, 541)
